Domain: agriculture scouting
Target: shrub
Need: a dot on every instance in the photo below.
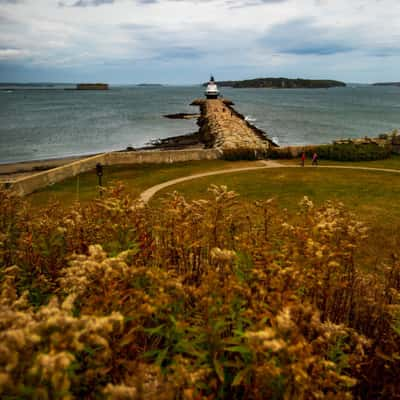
(279, 153)
(338, 152)
(243, 153)
(199, 299)
(352, 152)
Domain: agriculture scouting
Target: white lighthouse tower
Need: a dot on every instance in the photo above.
(212, 91)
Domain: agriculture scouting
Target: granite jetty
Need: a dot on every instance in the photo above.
(223, 128)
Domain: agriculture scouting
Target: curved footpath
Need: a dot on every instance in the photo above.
(150, 192)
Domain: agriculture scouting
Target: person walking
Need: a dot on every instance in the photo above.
(315, 159)
(303, 158)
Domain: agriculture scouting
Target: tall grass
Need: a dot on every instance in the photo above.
(205, 299)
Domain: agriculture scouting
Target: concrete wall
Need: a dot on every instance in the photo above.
(160, 156)
(30, 184)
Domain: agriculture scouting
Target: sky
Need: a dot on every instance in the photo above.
(183, 41)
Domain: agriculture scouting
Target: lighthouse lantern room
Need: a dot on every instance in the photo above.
(212, 91)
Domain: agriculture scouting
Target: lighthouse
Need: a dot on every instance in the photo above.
(212, 91)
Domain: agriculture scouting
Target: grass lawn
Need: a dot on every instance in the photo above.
(373, 196)
(357, 189)
(136, 178)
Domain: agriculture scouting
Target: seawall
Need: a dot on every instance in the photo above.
(26, 185)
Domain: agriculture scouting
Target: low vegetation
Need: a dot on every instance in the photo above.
(353, 152)
(340, 152)
(201, 299)
(243, 153)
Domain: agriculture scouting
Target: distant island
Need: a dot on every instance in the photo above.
(149, 85)
(282, 83)
(92, 86)
(27, 84)
(386, 84)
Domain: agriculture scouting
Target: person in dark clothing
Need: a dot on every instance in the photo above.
(315, 159)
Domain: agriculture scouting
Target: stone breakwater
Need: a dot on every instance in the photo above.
(223, 128)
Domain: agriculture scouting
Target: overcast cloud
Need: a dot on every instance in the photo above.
(182, 41)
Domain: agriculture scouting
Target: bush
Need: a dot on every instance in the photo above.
(352, 152)
(338, 152)
(277, 153)
(242, 153)
(201, 299)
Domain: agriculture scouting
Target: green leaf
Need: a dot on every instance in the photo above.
(221, 324)
(238, 379)
(155, 331)
(161, 356)
(238, 349)
(150, 354)
(219, 370)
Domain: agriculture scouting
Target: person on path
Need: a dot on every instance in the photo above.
(303, 158)
(315, 159)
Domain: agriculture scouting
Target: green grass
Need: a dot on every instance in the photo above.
(359, 189)
(136, 178)
(373, 196)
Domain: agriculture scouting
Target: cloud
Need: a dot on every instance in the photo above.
(304, 37)
(85, 3)
(10, 54)
(148, 1)
(229, 3)
(237, 36)
(249, 3)
(174, 53)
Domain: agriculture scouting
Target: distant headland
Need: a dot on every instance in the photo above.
(386, 84)
(150, 85)
(282, 83)
(92, 86)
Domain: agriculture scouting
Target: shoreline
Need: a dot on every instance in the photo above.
(11, 171)
(18, 169)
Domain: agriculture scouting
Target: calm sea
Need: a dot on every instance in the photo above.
(48, 123)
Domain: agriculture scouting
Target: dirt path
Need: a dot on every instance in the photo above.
(150, 192)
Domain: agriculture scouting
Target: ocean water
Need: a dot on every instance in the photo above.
(48, 123)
